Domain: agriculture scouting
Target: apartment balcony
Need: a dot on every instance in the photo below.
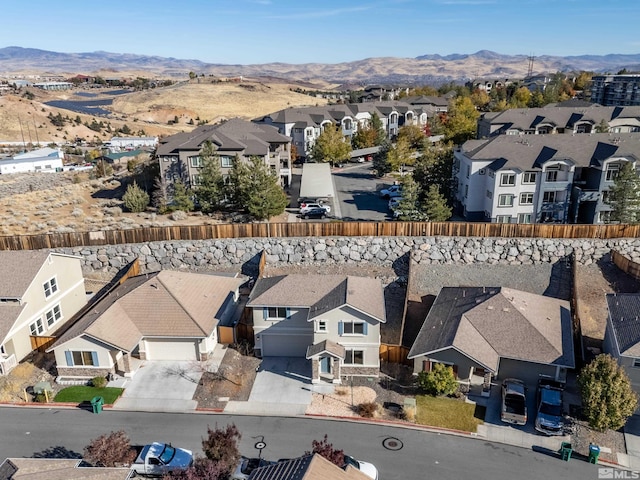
(552, 207)
(7, 363)
(589, 196)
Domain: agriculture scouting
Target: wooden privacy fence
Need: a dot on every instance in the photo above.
(303, 229)
(628, 266)
(41, 343)
(394, 354)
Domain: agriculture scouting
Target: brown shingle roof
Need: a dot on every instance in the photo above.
(308, 467)
(18, 269)
(60, 469)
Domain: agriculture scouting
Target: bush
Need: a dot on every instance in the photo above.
(135, 198)
(439, 381)
(99, 382)
(367, 410)
(112, 450)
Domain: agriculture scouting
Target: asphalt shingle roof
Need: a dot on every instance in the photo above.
(624, 313)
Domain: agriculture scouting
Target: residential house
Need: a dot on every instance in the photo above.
(179, 154)
(59, 469)
(166, 315)
(308, 467)
(498, 331)
(616, 90)
(488, 84)
(332, 320)
(561, 118)
(435, 104)
(541, 178)
(40, 160)
(39, 292)
(305, 124)
(622, 335)
(117, 144)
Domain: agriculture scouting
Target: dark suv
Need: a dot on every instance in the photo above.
(316, 212)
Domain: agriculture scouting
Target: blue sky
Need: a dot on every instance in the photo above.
(322, 31)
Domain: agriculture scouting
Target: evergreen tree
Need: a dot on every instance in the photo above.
(265, 197)
(135, 199)
(409, 205)
(160, 196)
(210, 191)
(331, 146)
(380, 162)
(435, 206)
(237, 185)
(624, 195)
(182, 197)
(434, 167)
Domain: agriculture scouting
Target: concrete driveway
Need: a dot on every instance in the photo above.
(161, 386)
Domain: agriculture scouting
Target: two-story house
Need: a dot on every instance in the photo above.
(39, 293)
(332, 320)
(540, 178)
(179, 154)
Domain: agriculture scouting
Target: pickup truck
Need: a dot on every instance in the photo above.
(157, 459)
(514, 402)
(549, 419)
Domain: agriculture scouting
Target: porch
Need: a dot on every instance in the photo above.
(7, 363)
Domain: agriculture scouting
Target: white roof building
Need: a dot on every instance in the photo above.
(41, 160)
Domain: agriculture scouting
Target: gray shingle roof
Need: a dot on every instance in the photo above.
(18, 269)
(326, 346)
(624, 314)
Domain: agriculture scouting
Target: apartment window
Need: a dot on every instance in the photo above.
(503, 219)
(196, 162)
(489, 194)
(226, 161)
(36, 328)
(550, 197)
(505, 200)
(526, 198)
(612, 173)
(524, 218)
(276, 313)
(53, 315)
(552, 176)
(196, 180)
(352, 328)
(83, 359)
(529, 177)
(636, 362)
(321, 326)
(50, 287)
(310, 132)
(605, 196)
(507, 179)
(354, 357)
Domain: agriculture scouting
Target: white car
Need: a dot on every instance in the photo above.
(369, 469)
(305, 207)
(392, 192)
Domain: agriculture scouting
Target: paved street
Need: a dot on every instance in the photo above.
(356, 188)
(410, 454)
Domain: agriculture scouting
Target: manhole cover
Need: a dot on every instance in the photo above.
(391, 443)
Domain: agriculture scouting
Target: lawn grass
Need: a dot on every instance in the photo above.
(448, 413)
(82, 393)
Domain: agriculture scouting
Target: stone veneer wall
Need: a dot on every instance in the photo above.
(233, 253)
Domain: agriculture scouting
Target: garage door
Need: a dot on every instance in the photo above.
(285, 345)
(171, 350)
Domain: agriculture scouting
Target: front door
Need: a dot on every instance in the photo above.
(325, 365)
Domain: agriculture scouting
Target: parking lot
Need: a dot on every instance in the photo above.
(357, 193)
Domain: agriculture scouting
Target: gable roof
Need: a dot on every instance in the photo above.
(624, 312)
(326, 346)
(489, 323)
(320, 293)
(18, 268)
(163, 304)
(308, 467)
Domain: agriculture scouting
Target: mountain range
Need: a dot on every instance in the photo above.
(425, 69)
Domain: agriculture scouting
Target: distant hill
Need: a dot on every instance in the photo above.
(431, 68)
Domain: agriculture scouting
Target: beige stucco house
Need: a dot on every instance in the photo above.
(39, 293)
(332, 320)
(166, 315)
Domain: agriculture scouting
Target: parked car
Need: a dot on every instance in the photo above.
(391, 192)
(549, 418)
(514, 402)
(305, 207)
(158, 459)
(319, 212)
(248, 465)
(369, 469)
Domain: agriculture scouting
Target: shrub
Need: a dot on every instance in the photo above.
(325, 449)
(221, 447)
(99, 382)
(110, 450)
(439, 381)
(135, 199)
(368, 409)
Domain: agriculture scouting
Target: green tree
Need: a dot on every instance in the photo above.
(380, 163)
(414, 135)
(135, 199)
(439, 381)
(602, 127)
(461, 121)
(435, 167)
(520, 98)
(624, 195)
(400, 155)
(237, 186)
(480, 99)
(409, 205)
(536, 100)
(125, 129)
(331, 146)
(435, 205)
(210, 191)
(607, 396)
(265, 197)
(371, 135)
(182, 197)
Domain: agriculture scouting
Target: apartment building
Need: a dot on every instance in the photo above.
(179, 155)
(541, 178)
(616, 90)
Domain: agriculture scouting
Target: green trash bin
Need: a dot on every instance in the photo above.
(565, 451)
(96, 404)
(594, 453)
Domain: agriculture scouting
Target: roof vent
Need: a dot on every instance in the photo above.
(506, 309)
(489, 307)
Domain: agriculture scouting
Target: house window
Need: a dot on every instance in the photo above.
(84, 358)
(526, 199)
(552, 176)
(37, 328)
(50, 287)
(529, 177)
(636, 362)
(612, 173)
(226, 161)
(196, 162)
(507, 179)
(276, 313)
(321, 326)
(505, 200)
(354, 357)
(53, 315)
(353, 328)
(503, 219)
(524, 218)
(550, 197)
